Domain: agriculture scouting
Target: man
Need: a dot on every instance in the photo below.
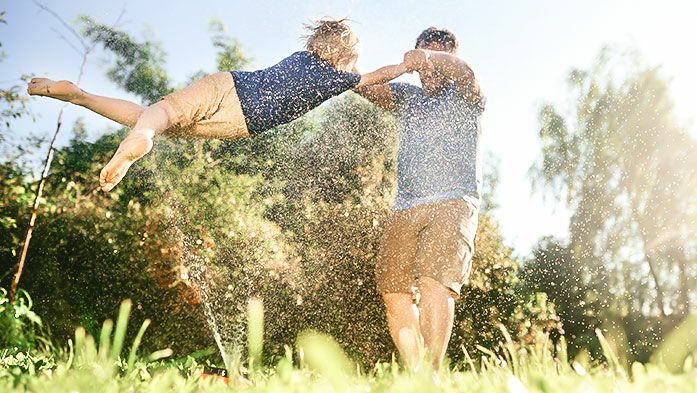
(429, 238)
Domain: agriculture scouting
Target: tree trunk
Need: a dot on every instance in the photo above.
(659, 289)
(684, 296)
(35, 207)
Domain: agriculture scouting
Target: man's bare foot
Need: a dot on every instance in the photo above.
(136, 145)
(61, 90)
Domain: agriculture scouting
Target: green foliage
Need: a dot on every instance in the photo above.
(13, 106)
(495, 296)
(21, 329)
(138, 66)
(18, 368)
(554, 270)
(17, 197)
(230, 54)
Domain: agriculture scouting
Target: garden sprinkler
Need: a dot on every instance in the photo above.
(220, 374)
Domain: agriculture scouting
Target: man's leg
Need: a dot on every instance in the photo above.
(403, 322)
(436, 317)
(443, 265)
(154, 120)
(394, 274)
(121, 111)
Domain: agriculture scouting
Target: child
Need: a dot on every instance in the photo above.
(231, 105)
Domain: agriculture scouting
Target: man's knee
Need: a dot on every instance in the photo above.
(400, 306)
(429, 286)
(397, 299)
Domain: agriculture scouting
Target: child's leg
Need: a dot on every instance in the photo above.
(208, 108)
(154, 120)
(120, 111)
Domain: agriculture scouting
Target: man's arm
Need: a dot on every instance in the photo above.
(373, 85)
(448, 65)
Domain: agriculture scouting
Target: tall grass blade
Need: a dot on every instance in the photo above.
(121, 326)
(562, 352)
(80, 343)
(90, 350)
(468, 358)
(136, 343)
(325, 355)
(612, 359)
(105, 339)
(510, 349)
(255, 331)
(71, 354)
(490, 353)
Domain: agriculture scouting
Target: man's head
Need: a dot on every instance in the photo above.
(334, 41)
(441, 40)
(444, 37)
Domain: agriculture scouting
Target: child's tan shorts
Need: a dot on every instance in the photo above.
(434, 240)
(207, 108)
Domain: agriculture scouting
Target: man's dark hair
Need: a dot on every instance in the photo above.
(443, 36)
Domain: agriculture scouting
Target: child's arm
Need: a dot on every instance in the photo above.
(373, 85)
(382, 75)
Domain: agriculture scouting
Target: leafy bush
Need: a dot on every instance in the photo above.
(20, 328)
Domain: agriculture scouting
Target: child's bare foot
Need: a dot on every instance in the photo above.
(136, 145)
(61, 90)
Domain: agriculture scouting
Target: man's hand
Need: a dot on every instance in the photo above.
(448, 65)
(417, 60)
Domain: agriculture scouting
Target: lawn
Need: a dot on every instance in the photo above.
(317, 364)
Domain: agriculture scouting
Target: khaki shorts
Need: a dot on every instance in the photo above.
(208, 108)
(434, 240)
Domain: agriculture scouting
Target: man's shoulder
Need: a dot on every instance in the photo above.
(404, 92)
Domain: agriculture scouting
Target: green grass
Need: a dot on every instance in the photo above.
(317, 364)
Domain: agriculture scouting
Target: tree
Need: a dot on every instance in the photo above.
(628, 171)
(578, 291)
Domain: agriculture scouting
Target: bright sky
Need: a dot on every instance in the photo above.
(521, 51)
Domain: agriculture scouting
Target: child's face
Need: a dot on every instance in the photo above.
(347, 64)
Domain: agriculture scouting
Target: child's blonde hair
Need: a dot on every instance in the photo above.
(332, 40)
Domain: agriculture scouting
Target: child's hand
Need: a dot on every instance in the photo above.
(417, 60)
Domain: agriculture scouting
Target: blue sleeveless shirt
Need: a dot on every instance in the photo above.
(289, 89)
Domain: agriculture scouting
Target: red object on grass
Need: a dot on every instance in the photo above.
(218, 378)
(220, 374)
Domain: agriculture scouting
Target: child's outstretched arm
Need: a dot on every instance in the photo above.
(382, 75)
(373, 85)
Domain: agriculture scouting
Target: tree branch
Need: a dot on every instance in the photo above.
(87, 49)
